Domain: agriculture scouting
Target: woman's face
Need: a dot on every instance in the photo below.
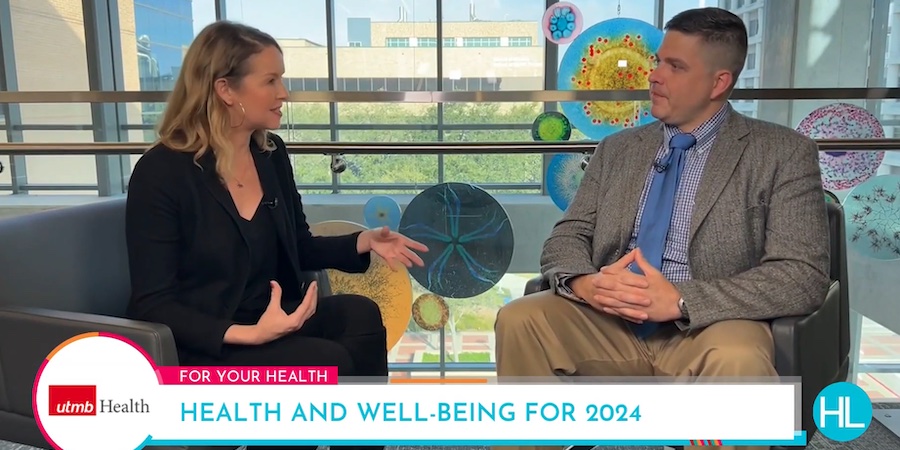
(261, 93)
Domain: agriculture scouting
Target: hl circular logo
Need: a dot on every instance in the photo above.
(842, 412)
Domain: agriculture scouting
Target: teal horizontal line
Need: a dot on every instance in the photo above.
(797, 441)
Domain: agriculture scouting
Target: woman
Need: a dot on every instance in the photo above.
(218, 242)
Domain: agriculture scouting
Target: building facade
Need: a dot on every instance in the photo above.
(402, 56)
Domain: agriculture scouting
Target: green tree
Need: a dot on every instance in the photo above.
(418, 169)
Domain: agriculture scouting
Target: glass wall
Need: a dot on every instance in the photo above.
(835, 53)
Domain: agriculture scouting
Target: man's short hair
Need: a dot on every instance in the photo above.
(720, 28)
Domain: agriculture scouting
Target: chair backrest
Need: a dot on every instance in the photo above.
(838, 239)
(74, 259)
(68, 259)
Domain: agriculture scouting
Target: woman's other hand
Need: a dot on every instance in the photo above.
(275, 323)
(394, 247)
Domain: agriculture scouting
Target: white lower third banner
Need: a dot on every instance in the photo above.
(99, 391)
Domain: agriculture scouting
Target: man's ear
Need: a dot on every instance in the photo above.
(223, 90)
(722, 84)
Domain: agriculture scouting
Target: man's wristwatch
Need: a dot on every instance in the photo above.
(684, 310)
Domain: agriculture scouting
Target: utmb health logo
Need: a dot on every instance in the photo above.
(82, 401)
(842, 412)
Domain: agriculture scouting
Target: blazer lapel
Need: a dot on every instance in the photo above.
(218, 190)
(720, 165)
(634, 169)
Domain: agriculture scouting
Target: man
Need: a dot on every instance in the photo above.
(684, 237)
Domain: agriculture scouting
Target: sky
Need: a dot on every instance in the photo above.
(286, 19)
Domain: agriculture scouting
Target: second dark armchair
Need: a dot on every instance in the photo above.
(815, 348)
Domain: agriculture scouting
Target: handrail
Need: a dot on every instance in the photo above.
(862, 93)
(426, 148)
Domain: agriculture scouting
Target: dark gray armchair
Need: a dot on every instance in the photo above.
(64, 272)
(815, 348)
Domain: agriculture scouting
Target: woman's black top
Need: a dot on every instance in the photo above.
(263, 245)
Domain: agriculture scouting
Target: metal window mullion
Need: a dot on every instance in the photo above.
(551, 78)
(417, 148)
(331, 50)
(878, 50)
(221, 9)
(103, 44)
(795, 31)
(426, 97)
(12, 112)
(659, 8)
(439, 28)
(439, 35)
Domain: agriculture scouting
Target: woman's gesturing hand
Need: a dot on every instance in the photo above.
(275, 323)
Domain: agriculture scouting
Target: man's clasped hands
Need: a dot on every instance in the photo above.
(619, 291)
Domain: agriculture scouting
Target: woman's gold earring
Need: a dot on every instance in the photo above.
(243, 115)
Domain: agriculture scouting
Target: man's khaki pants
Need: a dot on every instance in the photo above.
(543, 335)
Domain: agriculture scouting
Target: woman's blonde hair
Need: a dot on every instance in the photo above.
(196, 119)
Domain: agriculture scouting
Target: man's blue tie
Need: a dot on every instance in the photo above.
(657, 214)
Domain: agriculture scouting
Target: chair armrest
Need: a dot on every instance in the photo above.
(804, 347)
(321, 279)
(536, 284)
(805, 344)
(28, 335)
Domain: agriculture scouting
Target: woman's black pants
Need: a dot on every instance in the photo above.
(346, 331)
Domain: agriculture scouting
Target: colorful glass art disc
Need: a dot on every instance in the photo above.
(564, 174)
(382, 211)
(469, 237)
(430, 312)
(551, 126)
(562, 23)
(391, 290)
(872, 214)
(844, 170)
(616, 54)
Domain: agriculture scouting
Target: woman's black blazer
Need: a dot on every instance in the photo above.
(189, 261)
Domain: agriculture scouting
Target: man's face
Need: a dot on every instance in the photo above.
(684, 85)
